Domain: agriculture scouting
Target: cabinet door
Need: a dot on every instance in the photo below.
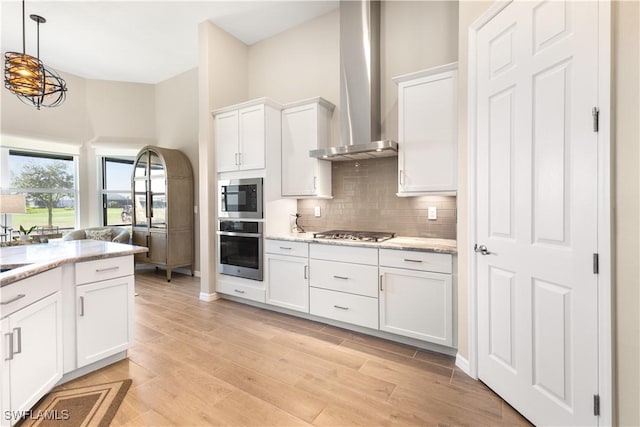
(158, 247)
(299, 136)
(104, 319)
(287, 282)
(226, 135)
(417, 304)
(252, 137)
(36, 362)
(427, 155)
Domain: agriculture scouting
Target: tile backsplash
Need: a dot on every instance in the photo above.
(364, 198)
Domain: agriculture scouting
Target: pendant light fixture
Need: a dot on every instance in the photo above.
(28, 78)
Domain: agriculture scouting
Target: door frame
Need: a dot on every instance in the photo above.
(604, 183)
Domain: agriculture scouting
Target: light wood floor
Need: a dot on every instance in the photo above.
(222, 363)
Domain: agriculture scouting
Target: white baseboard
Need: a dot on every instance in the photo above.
(463, 364)
(209, 297)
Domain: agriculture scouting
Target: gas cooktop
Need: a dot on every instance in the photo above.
(361, 236)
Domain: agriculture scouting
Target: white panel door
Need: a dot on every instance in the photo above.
(104, 319)
(226, 134)
(299, 136)
(252, 137)
(537, 213)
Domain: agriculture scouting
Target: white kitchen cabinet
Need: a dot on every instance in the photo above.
(415, 302)
(427, 131)
(32, 357)
(344, 284)
(287, 271)
(306, 126)
(240, 134)
(104, 312)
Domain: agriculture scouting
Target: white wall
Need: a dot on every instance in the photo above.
(222, 80)
(626, 104)
(68, 123)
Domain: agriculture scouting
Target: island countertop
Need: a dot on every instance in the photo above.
(27, 260)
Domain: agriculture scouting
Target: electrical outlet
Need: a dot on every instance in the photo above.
(316, 211)
(432, 213)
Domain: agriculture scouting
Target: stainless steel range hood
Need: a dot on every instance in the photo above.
(359, 86)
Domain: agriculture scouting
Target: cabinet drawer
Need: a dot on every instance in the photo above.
(347, 308)
(341, 253)
(103, 269)
(287, 247)
(415, 260)
(344, 277)
(26, 291)
(252, 293)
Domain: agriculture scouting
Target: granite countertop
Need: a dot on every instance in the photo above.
(28, 260)
(422, 244)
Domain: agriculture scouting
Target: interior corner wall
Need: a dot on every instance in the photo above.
(176, 118)
(222, 81)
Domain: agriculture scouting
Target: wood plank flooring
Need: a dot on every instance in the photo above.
(221, 363)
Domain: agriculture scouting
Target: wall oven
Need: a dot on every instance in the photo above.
(240, 249)
(240, 198)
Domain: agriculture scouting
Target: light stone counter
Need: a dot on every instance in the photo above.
(27, 260)
(422, 244)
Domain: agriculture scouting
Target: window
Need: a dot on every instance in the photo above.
(116, 190)
(48, 182)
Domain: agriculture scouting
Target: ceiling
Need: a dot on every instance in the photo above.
(142, 41)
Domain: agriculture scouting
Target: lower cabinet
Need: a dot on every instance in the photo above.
(288, 276)
(31, 355)
(104, 316)
(417, 304)
(355, 309)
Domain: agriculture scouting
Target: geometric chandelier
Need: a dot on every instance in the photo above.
(28, 78)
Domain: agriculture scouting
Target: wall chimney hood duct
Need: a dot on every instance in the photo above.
(359, 86)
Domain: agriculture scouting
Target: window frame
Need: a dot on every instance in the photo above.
(104, 192)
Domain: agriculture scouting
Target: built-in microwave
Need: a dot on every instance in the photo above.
(240, 198)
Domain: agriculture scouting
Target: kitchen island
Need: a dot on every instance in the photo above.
(66, 309)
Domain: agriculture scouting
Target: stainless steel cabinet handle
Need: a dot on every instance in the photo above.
(401, 176)
(18, 331)
(412, 260)
(238, 291)
(314, 182)
(306, 271)
(341, 307)
(381, 282)
(10, 350)
(148, 247)
(286, 249)
(101, 270)
(482, 249)
(341, 277)
(81, 306)
(14, 299)
(235, 158)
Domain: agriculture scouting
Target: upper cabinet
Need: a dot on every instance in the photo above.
(306, 126)
(427, 131)
(241, 131)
